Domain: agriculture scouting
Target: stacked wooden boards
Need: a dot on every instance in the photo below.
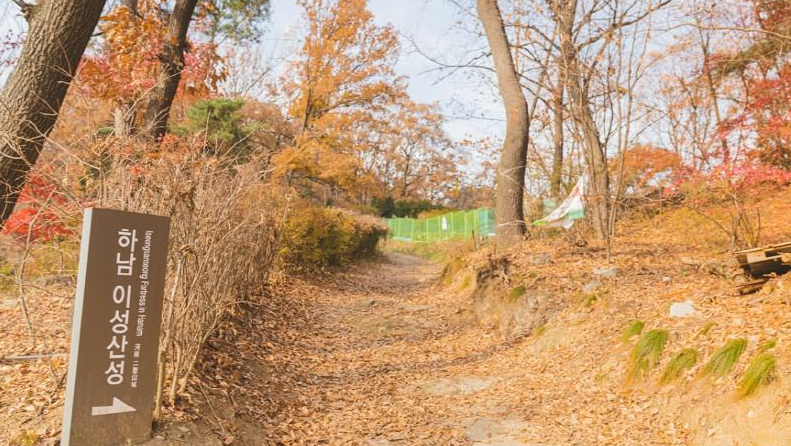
(760, 264)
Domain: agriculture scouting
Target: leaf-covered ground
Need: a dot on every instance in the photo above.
(387, 353)
(384, 358)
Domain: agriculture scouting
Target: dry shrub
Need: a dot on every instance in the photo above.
(320, 237)
(226, 217)
(222, 240)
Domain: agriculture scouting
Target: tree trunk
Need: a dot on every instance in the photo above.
(125, 112)
(124, 119)
(132, 5)
(579, 100)
(556, 181)
(172, 63)
(726, 153)
(511, 170)
(57, 35)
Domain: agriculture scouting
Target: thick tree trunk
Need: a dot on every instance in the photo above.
(556, 182)
(578, 98)
(172, 57)
(511, 170)
(58, 33)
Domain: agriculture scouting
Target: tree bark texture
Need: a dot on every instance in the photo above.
(58, 32)
(131, 4)
(579, 101)
(172, 63)
(556, 181)
(125, 111)
(511, 170)
(124, 119)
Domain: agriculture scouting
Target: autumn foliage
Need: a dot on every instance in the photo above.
(40, 213)
(124, 66)
(357, 133)
(272, 165)
(647, 165)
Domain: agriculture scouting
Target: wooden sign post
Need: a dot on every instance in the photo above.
(115, 334)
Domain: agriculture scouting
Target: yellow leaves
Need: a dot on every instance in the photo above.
(346, 59)
(340, 87)
(315, 159)
(358, 129)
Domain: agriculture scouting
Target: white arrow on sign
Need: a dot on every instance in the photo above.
(117, 407)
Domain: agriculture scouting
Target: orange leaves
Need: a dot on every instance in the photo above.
(124, 66)
(338, 89)
(126, 62)
(357, 129)
(346, 60)
(643, 163)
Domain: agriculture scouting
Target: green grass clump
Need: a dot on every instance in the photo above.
(7, 270)
(760, 372)
(589, 299)
(25, 439)
(725, 358)
(633, 329)
(517, 292)
(768, 345)
(681, 362)
(706, 328)
(647, 352)
(450, 270)
(466, 281)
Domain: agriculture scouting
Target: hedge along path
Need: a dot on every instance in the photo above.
(383, 363)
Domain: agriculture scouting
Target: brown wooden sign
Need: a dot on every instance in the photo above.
(115, 333)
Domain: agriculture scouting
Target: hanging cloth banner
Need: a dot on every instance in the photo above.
(571, 209)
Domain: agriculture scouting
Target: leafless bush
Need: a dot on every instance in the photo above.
(221, 243)
(226, 221)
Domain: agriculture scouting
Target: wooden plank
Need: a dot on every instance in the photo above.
(745, 251)
(33, 357)
(754, 257)
(767, 265)
(782, 250)
(775, 258)
(751, 286)
(785, 247)
(761, 262)
(746, 257)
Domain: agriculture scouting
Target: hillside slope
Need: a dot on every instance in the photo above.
(520, 348)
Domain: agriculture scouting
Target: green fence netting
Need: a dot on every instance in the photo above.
(450, 226)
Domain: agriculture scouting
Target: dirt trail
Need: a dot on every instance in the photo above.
(385, 362)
